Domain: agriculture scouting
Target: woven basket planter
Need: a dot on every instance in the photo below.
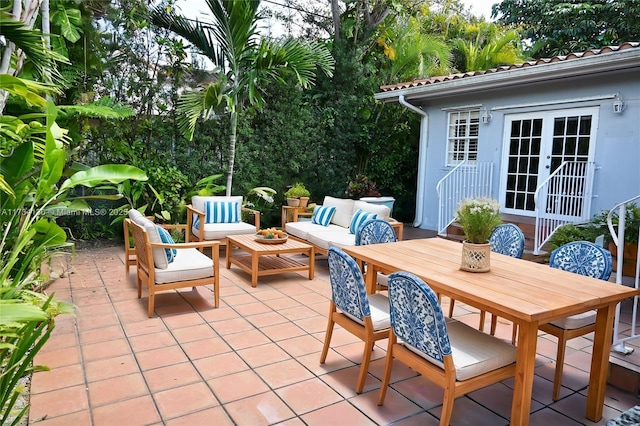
(475, 257)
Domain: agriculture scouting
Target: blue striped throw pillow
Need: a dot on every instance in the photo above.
(221, 212)
(322, 215)
(165, 237)
(360, 217)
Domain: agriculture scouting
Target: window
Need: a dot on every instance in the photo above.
(462, 138)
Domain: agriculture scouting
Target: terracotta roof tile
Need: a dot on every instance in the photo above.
(559, 58)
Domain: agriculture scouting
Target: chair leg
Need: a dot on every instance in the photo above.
(557, 378)
(514, 333)
(483, 315)
(364, 366)
(151, 303)
(447, 406)
(388, 363)
(327, 334)
(494, 324)
(452, 303)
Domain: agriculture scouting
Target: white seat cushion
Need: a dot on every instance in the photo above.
(219, 231)
(576, 321)
(301, 229)
(324, 240)
(189, 264)
(473, 351)
(379, 307)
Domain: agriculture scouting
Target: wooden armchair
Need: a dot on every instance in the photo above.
(188, 267)
(214, 218)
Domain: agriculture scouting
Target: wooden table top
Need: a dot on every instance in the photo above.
(514, 288)
(249, 243)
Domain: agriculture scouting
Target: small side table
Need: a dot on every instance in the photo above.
(291, 214)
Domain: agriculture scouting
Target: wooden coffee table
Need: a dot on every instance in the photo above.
(261, 259)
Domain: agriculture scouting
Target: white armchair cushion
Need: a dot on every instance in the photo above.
(159, 254)
(219, 231)
(190, 264)
(198, 201)
(576, 321)
(344, 210)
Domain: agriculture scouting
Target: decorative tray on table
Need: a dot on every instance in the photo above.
(271, 236)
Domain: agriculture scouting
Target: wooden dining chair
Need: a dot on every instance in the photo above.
(376, 231)
(364, 316)
(505, 239)
(458, 358)
(584, 258)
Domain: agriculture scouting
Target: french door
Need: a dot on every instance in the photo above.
(536, 145)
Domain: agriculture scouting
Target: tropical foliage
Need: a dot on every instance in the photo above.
(244, 62)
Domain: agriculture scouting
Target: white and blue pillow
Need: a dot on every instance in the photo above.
(221, 212)
(322, 215)
(360, 217)
(165, 237)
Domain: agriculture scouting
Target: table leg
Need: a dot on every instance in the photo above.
(254, 268)
(312, 262)
(525, 365)
(371, 279)
(228, 254)
(602, 341)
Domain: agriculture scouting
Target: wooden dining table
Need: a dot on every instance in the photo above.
(525, 292)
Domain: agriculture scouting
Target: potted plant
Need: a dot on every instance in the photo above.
(297, 195)
(360, 187)
(477, 217)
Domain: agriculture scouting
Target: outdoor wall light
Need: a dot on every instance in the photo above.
(618, 105)
(485, 118)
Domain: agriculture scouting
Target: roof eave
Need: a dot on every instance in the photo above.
(508, 78)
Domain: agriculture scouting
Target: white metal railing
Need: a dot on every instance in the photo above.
(618, 238)
(465, 180)
(564, 197)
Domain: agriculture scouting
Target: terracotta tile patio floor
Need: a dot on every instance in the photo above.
(253, 361)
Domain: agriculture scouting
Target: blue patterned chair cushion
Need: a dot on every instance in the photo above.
(416, 315)
(507, 239)
(347, 284)
(359, 218)
(322, 215)
(584, 258)
(375, 231)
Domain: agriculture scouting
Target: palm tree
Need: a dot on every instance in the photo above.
(244, 62)
(492, 46)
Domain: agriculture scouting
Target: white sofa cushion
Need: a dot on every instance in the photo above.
(326, 239)
(190, 264)
(382, 211)
(344, 210)
(218, 231)
(301, 229)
